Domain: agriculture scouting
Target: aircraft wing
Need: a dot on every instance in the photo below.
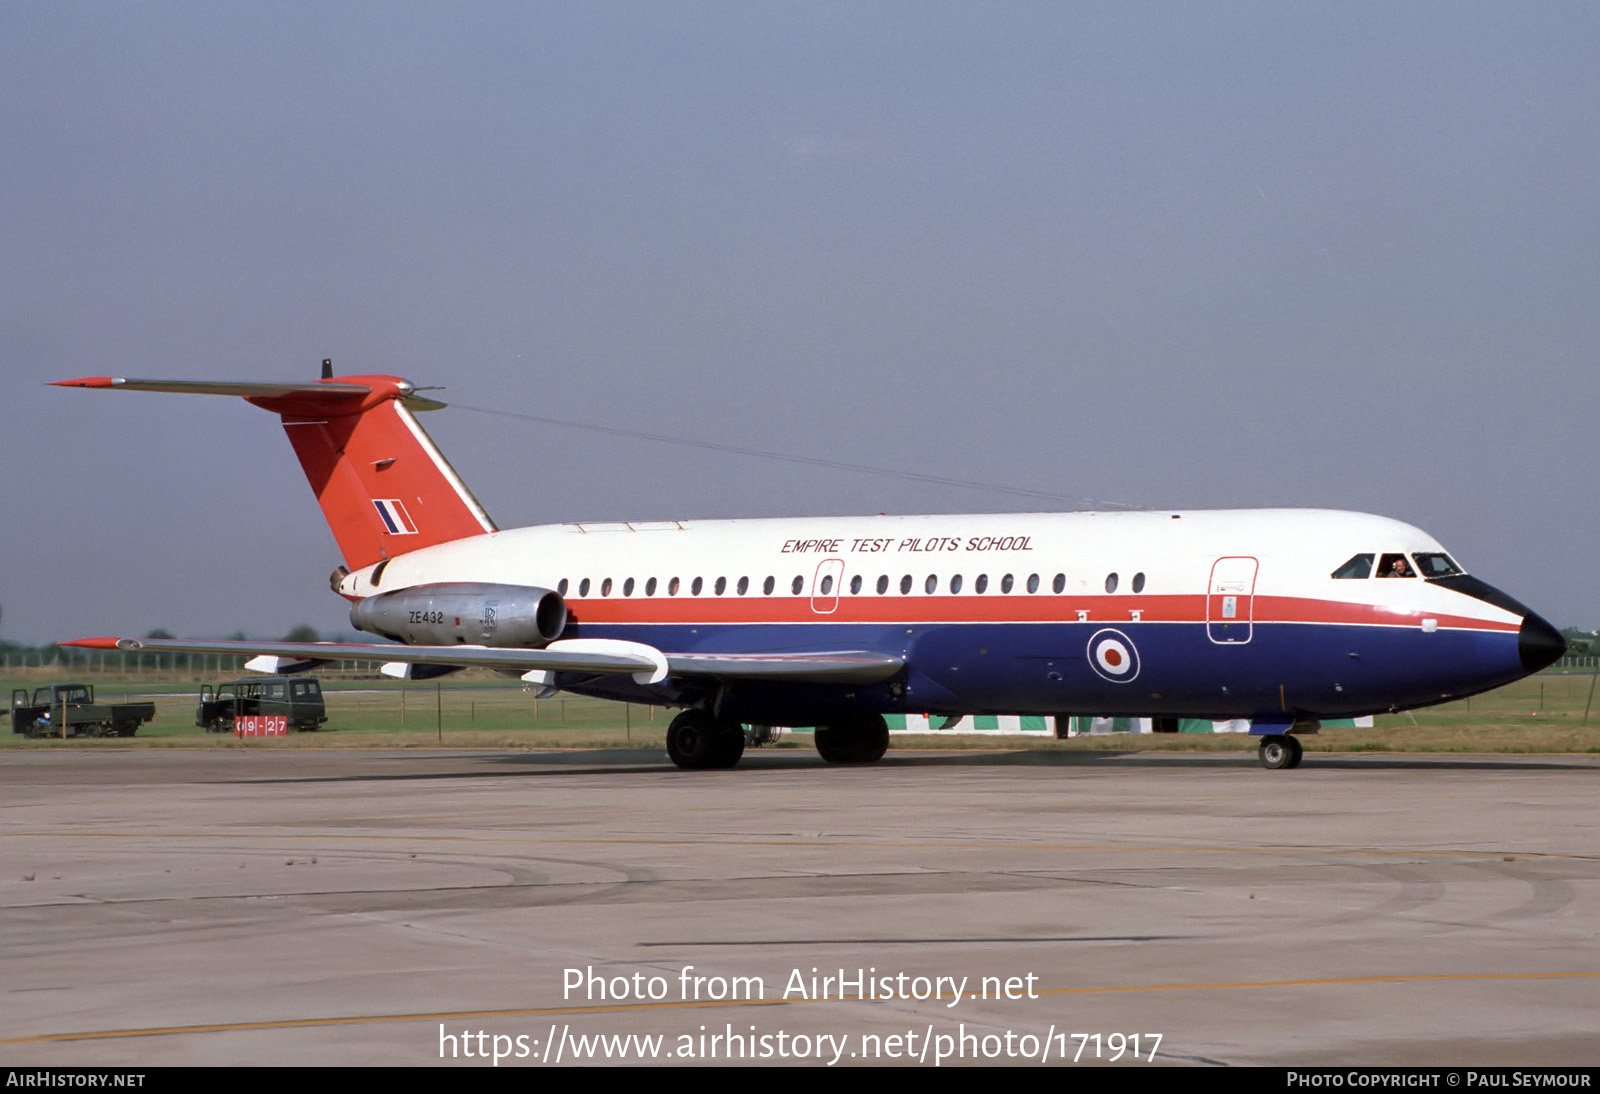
(646, 664)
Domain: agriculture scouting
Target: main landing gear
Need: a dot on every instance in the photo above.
(697, 742)
(858, 739)
(1279, 750)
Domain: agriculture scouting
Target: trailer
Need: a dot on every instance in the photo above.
(69, 710)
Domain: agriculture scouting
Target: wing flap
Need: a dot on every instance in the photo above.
(817, 666)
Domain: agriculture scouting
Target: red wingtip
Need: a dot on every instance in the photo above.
(86, 381)
(92, 643)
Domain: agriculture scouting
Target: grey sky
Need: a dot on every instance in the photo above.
(1336, 255)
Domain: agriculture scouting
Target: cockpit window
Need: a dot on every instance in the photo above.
(1395, 566)
(1359, 566)
(1436, 565)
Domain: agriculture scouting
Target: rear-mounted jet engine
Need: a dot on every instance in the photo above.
(464, 613)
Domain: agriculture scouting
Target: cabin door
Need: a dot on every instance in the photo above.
(825, 586)
(1230, 602)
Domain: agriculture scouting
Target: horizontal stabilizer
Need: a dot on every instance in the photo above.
(245, 388)
(336, 390)
(384, 487)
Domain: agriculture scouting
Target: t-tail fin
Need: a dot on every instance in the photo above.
(384, 486)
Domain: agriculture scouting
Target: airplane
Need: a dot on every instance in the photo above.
(1281, 616)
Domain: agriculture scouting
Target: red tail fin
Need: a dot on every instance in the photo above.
(383, 485)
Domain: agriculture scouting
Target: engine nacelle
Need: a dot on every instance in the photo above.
(467, 613)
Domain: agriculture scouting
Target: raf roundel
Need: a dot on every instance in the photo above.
(1113, 656)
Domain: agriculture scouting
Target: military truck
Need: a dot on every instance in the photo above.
(298, 698)
(73, 706)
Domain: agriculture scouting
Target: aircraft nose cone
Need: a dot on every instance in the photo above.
(1539, 643)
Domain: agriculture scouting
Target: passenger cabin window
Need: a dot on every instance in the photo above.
(1359, 566)
(1033, 583)
(627, 587)
(1138, 582)
(721, 586)
(561, 588)
(1111, 583)
(583, 587)
(696, 585)
(768, 585)
(955, 584)
(1436, 565)
(981, 585)
(931, 585)
(650, 587)
(797, 584)
(672, 587)
(827, 584)
(883, 584)
(744, 585)
(905, 585)
(1059, 585)
(1395, 566)
(855, 585)
(605, 587)
(1005, 583)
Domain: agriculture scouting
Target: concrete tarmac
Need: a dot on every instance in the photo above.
(275, 906)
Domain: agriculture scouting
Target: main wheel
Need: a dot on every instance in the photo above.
(696, 742)
(1279, 751)
(858, 740)
(730, 744)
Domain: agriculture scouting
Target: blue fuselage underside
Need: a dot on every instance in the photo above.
(1283, 669)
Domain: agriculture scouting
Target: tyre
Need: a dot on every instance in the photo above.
(1279, 751)
(858, 740)
(695, 742)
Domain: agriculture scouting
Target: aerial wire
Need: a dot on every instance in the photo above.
(786, 457)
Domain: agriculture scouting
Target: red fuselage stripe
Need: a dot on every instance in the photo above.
(1015, 608)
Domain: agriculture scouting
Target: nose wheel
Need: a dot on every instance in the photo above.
(1279, 750)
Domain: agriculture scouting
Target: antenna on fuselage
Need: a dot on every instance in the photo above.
(327, 368)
